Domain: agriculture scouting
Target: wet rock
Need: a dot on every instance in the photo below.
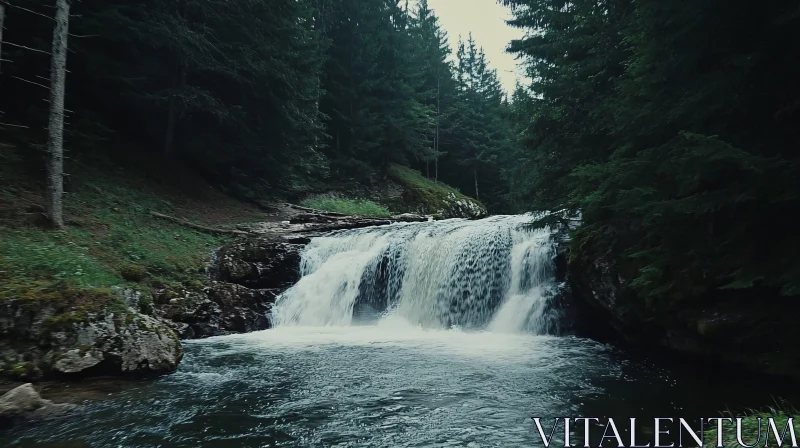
(456, 207)
(222, 308)
(411, 217)
(24, 402)
(126, 343)
(260, 263)
(752, 329)
(43, 342)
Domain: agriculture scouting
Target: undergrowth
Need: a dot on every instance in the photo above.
(362, 207)
(750, 428)
(414, 179)
(423, 195)
(111, 238)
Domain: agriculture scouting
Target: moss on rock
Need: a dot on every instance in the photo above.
(413, 193)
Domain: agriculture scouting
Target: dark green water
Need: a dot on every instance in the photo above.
(389, 385)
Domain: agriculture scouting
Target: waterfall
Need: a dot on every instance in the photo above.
(495, 274)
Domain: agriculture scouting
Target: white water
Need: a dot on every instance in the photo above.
(406, 380)
(494, 274)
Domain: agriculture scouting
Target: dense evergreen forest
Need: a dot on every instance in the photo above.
(266, 97)
(673, 126)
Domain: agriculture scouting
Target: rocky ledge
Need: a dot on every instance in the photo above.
(63, 338)
(124, 332)
(248, 275)
(749, 329)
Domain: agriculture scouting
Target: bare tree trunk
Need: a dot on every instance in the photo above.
(475, 173)
(170, 137)
(2, 19)
(172, 118)
(58, 69)
(438, 111)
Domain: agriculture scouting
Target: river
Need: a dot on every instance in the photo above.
(435, 334)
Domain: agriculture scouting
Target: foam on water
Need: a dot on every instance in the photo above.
(495, 273)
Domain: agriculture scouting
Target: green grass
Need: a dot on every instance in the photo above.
(362, 207)
(422, 195)
(750, 428)
(414, 179)
(111, 238)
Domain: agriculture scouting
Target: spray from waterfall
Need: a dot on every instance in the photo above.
(495, 274)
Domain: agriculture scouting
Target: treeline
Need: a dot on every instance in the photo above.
(673, 126)
(283, 96)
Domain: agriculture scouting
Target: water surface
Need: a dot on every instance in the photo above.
(383, 385)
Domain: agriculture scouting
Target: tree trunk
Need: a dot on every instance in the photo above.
(58, 69)
(475, 173)
(172, 116)
(170, 137)
(2, 19)
(438, 111)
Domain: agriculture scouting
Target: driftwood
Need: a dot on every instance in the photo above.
(314, 229)
(315, 211)
(303, 218)
(197, 226)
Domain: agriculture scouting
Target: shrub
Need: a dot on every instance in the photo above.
(750, 428)
(133, 272)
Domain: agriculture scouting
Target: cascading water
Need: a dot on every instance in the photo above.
(494, 274)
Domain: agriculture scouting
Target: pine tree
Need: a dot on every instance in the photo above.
(668, 124)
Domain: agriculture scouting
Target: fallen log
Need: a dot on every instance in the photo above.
(321, 228)
(198, 226)
(318, 212)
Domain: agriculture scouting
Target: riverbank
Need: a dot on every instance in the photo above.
(131, 273)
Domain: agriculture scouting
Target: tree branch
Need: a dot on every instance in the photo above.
(197, 226)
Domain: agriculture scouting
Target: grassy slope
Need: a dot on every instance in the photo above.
(362, 207)
(422, 191)
(110, 238)
(419, 195)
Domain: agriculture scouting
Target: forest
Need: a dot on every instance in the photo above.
(418, 255)
(672, 126)
(669, 124)
(274, 98)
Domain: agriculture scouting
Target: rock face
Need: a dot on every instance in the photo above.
(24, 402)
(107, 343)
(248, 277)
(754, 330)
(260, 263)
(48, 341)
(440, 203)
(220, 309)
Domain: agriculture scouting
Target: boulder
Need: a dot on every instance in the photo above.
(260, 263)
(222, 308)
(24, 402)
(114, 343)
(752, 329)
(49, 341)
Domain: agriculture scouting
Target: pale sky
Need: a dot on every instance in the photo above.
(486, 20)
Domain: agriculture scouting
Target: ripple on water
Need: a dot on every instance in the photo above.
(391, 385)
(381, 386)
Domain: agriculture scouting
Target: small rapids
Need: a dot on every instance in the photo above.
(495, 274)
